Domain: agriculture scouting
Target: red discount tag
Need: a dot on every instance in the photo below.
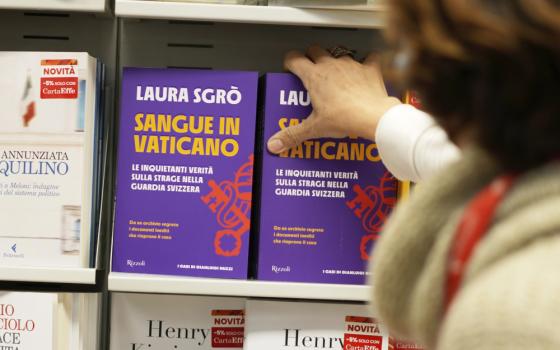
(230, 330)
(362, 333)
(227, 337)
(362, 342)
(59, 87)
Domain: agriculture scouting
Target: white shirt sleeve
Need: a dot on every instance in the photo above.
(412, 146)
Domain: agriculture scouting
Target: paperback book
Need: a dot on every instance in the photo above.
(27, 320)
(185, 172)
(322, 204)
(48, 321)
(280, 325)
(49, 158)
(141, 321)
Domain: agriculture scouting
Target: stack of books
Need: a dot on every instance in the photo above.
(51, 154)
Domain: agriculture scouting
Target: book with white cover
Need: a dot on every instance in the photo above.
(142, 321)
(47, 152)
(26, 320)
(48, 321)
(275, 325)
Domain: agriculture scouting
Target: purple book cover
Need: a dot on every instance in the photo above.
(185, 168)
(322, 204)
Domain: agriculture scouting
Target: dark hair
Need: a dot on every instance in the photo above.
(488, 66)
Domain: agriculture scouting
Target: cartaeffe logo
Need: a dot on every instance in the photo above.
(278, 269)
(133, 263)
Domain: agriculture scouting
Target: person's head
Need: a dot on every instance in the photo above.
(489, 69)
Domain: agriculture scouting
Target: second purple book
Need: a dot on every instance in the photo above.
(322, 204)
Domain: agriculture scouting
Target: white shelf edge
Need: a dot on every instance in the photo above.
(55, 5)
(250, 14)
(48, 275)
(159, 284)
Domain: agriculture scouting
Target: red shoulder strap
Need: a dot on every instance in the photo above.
(473, 225)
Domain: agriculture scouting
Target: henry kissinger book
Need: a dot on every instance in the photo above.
(176, 322)
(281, 325)
(185, 171)
(322, 204)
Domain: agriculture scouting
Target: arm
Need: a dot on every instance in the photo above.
(411, 144)
(350, 98)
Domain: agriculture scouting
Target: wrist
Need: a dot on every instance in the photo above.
(374, 113)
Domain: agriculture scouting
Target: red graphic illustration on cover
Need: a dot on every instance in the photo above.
(372, 205)
(231, 201)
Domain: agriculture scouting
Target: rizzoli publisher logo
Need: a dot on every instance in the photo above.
(133, 263)
(278, 269)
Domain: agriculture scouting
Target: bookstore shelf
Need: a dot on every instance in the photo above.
(124, 282)
(48, 275)
(250, 14)
(55, 5)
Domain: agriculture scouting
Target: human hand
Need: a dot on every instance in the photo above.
(349, 98)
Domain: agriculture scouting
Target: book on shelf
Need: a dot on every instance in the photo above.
(275, 325)
(50, 158)
(48, 321)
(185, 172)
(143, 321)
(323, 203)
